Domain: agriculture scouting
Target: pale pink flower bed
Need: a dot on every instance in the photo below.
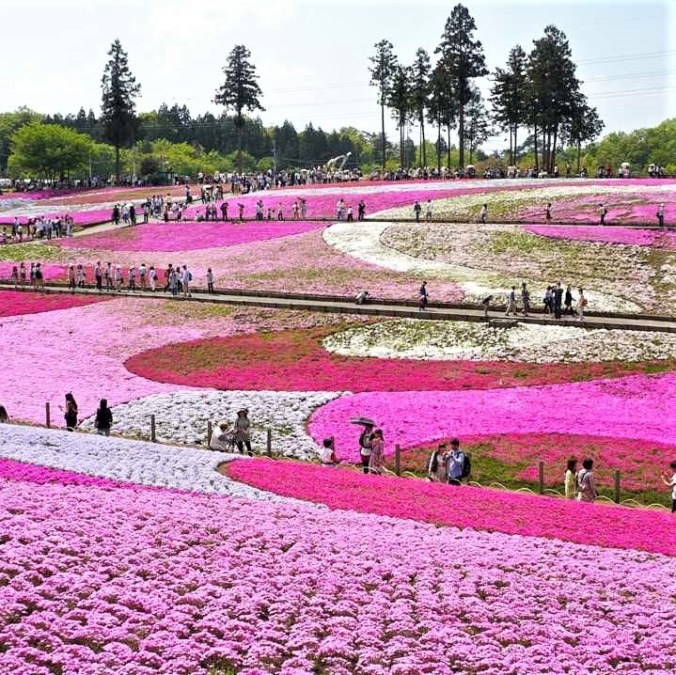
(607, 235)
(468, 507)
(100, 580)
(638, 406)
(83, 218)
(187, 236)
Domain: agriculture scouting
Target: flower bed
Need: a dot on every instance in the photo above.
(96, 580)
(60, 457)
(187, 236)
(632, 407)
(16, 303)
(296, 361)
(467, 507)
(525, 343)
(607, 235)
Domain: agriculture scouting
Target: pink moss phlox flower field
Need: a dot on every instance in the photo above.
(637, 406)
(609, 234)
(188, 236)
(97, 581)
(467, 507)
(11, 470)
(15, 303)
(84, 354)
(321, 203)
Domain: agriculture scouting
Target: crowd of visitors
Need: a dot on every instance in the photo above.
(41, 227)
(555, 302)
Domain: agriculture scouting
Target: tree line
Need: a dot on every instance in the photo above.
(536, 98)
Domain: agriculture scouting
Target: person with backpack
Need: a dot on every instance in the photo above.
(365, 442)
(586, 488)
(436, 470)
(455, 463)
(104, 418)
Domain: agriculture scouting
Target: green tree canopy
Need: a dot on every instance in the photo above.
(48, 151)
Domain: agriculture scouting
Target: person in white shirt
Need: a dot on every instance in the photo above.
(327, 455)
(186, 279)
(671, 482)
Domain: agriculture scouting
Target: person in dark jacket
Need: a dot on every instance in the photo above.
(104, 418)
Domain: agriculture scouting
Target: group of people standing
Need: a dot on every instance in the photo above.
(556, 302)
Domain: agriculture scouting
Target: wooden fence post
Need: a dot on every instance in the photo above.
(617, 487)
(48, 420)
(153, 437)
(210, 432)
(397, 459)
(541, 477)
(268, 442)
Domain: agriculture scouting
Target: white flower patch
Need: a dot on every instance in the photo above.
(529, 343)
(364, 241)
(182, 417)
(124, 460)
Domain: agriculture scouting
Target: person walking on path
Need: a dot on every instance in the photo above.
(428, 210)
(416, 210)
(660, 215)
(186, 279)
(570, 479)
(671, 482)
(486, 302)
(210, 281)
(377, 453)
(568, 301)
(483, 215)
(243, 432)
(98, 276)
(585, 482)
(602, 214)
(581, 304)
(548, 214)
(422, 296)
(455, 462)
(557, 297)
(525, 299)
(104, 418)
(511, 302)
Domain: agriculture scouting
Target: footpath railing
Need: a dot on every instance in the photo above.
(398, 471)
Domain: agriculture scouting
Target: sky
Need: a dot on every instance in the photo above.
(312, 57)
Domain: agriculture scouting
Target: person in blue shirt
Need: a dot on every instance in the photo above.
(455, 461)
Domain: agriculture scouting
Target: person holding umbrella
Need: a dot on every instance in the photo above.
(365, 440)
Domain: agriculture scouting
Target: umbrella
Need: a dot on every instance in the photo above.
(363, 421)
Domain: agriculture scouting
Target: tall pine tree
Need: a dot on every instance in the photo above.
(118, 116)
(383, 69)
(462, 59)
(420, 90)
(509, 96)
(240, 91)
